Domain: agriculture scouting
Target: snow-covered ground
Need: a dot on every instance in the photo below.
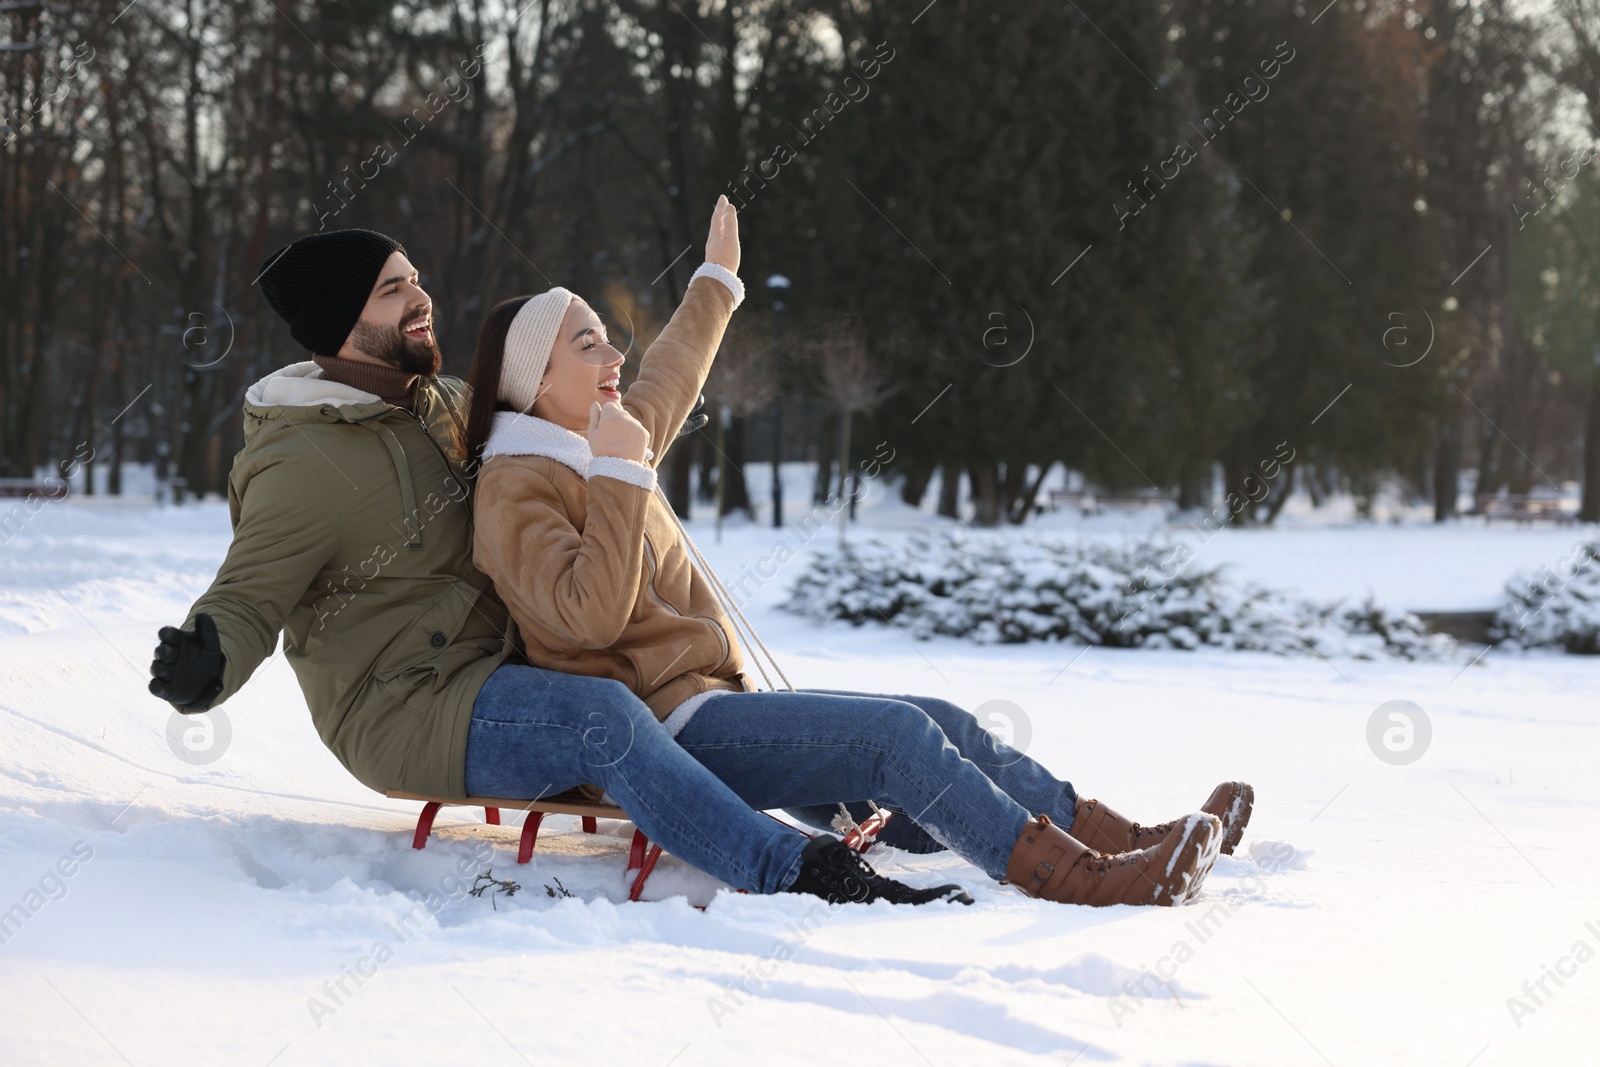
(174, 911)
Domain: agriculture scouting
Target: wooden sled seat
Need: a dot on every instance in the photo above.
(642, 855)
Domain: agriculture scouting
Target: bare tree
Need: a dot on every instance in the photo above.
(851, 382)
(740, 384)
(1579, 70)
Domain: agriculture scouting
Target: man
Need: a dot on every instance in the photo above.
(352, 536)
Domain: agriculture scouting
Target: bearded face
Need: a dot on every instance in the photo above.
(408, 347)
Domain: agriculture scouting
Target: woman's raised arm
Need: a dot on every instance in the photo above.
(675, 366)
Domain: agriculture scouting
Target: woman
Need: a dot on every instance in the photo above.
(590, 562)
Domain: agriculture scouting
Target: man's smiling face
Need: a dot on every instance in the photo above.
(396, 326)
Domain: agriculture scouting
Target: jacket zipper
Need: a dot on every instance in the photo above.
(449, 468)
(650, 584)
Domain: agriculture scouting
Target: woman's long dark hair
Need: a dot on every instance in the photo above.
(484, 378)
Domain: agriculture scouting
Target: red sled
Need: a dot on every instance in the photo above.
(642, 854)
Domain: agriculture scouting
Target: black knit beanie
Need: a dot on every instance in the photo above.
(320, 283)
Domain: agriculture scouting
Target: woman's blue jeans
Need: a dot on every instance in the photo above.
(951, 782)
(537, 732)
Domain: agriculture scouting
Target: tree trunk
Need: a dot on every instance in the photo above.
(1279, 496)
(777, 460)
(735, 494)
(114, 475)
(1589, 510)
(950, 491)
(845, 488)
(1314, 485)
(825, 446)
(87, 424)
(1012, 484)
(1523, 477)
(1491, 472)
(1194, 490)
(985, 493)
(1447, 469)
(1234, 474)
(677, 479)
(1024, 504)
(1364, 488)
(707, 483)
(915, 484)
(722, 470)
(119, 387)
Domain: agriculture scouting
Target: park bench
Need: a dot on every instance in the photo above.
(1520, 507)
(1088, 503)
(1072, 498)
(642, 854)
(29, 488)
(1135, 501)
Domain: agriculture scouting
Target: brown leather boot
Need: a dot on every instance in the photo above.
(1104, 830)
(1231, 802)
(1049, 863)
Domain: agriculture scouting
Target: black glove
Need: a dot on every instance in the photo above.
(187, 670)
(697, 417)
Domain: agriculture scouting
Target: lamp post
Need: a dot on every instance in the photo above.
(777, 283)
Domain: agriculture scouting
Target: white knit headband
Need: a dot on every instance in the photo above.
(533, 334)
(528, 344)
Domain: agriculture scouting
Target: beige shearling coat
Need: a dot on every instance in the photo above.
(587, 556)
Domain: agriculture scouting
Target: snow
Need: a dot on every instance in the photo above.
(1377, 913)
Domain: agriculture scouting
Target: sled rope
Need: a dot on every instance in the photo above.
(728, 604)
(742, 625)
(704, 567)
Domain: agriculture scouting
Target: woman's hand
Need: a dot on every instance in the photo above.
(614, 432)
(722, 246)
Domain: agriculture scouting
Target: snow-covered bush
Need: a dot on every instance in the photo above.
(1557, 607)
(1014, 588)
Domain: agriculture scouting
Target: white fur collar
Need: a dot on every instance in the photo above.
(514, 434)
(304, 385)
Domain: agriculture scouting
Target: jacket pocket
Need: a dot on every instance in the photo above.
(410, 668)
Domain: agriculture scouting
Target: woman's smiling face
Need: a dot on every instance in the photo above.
(584, 369)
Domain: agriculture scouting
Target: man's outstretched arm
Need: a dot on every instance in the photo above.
(288, 528)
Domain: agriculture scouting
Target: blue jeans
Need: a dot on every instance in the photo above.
(806, 751)
(535, 733)
(1025, 780)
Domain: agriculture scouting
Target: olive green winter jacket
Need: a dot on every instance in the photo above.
(352, 534)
